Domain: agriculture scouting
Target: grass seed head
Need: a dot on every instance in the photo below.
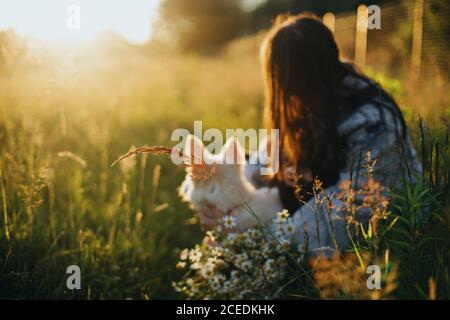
(200, 170)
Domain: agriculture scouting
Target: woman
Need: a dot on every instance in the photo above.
(329, 116)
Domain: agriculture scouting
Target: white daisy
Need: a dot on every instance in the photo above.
(184, 254)
(248, 242)
(265, 252)
(301, 248)
(215, 283)
(212, 235)
(227, 287)
(229, 221)
(246, 265)
(289, 228)
(207, 271)
(234, 274)
(217, 251)
(195, 255)
(254, 233)
(190, 282)
(283, 214)
(231, 237)
(212, 260)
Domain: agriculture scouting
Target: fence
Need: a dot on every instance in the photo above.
(413, 41)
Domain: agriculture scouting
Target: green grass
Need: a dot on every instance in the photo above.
(420, 239)
(125, 228)
(57, 211)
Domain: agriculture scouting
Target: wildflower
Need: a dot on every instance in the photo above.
(243, 237)
(176, 286)
(212, 260)
(234, 274)
(249, 243)
(254, 233)
(301, 248)
(207, 271)
(227, 255)
(220, 264)
(195, 255)
(190, 282)
(283, 214)
(246, 265)
(214, 282)
(281, 219)
(242, 261)
(231, 237)
(265, 252)
(254, 253)
(184, 254)
(239, 265)
(180, 265)
(212, 235)
(196, 266)
(240, 257)
(217, 251)
(229, 221)
(227, 287)
(289, 228)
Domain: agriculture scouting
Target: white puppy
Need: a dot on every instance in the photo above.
(228, 188)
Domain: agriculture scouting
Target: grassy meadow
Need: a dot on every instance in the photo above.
(65, 119)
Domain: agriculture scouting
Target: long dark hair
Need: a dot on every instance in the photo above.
(303, 73)
(303, 77)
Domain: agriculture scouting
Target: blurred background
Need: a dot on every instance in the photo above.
(81, 82)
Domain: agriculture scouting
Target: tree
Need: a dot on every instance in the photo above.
(200, 25)
(269, 9)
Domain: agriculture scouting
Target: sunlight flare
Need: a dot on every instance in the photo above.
(51, 20)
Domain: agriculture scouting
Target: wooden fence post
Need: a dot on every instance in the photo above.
(417, 38)
(330, 21)
(361, 36)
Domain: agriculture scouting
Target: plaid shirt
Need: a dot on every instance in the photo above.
(376, 126)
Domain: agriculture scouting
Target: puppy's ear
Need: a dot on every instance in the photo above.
(233, 152)
(194, 149)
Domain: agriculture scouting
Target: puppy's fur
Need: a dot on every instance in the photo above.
(228, 189)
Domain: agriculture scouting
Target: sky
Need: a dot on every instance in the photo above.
(78, 20)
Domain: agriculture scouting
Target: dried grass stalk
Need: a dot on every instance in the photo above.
(200, 170)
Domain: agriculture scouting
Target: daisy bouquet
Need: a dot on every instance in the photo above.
(252, 264)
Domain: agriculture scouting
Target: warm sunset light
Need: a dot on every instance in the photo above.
(49, 19)
(224, 150)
